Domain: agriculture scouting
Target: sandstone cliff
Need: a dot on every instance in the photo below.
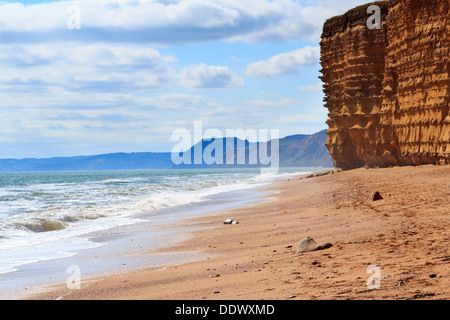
(388, 90)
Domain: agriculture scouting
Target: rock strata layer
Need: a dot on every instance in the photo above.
(388, 90)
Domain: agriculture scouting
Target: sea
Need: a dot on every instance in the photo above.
(52, 215)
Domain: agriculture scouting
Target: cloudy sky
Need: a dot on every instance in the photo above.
(88, 77)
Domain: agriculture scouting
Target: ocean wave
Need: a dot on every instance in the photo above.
(41, 225)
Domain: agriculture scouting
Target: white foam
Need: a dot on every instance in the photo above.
(12, 258)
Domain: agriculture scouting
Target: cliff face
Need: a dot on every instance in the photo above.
(388, 90)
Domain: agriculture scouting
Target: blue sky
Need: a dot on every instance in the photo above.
(137, 70)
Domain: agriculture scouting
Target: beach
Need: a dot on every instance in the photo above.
(405, 236)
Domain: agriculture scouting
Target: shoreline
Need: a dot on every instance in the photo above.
(120, 249)
(405, 234)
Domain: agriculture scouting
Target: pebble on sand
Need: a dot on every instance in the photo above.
(230, 221)
(375, 196)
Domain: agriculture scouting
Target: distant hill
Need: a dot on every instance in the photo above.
(294, 151)
(113, 161)
(297, 137)
(308, 151)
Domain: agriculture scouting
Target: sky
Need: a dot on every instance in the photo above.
(89, 77)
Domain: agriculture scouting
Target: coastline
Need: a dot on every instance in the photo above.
(119, 249)
(405, 234)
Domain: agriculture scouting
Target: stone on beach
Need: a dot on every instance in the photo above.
(230, 221)
(308, 244)
(375, 196)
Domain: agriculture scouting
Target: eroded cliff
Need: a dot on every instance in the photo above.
(388, 90)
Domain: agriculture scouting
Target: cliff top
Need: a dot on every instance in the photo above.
(352, 18)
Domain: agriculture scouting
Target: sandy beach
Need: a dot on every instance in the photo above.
(405, 234)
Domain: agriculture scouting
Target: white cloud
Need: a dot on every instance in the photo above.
(314, 116)
(82, 68)
(298, 118)
(124, 123)
(311, 88)
(165, 22)
(210, 77)
(273, 104)
(176, 102)
(285, 63)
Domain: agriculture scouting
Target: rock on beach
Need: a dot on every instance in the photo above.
(308, 244)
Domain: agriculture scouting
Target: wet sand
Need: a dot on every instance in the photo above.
(119, 249)
(406, 235)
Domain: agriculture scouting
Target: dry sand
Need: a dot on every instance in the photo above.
(406, 234)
